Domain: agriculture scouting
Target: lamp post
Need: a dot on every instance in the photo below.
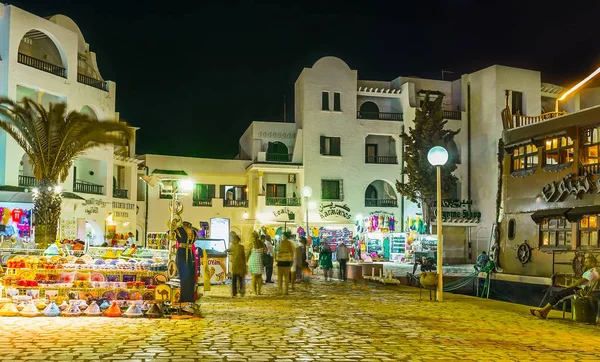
(438, 156)
(306, 193)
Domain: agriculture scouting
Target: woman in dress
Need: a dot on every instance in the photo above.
(325, 260)
(255, 263)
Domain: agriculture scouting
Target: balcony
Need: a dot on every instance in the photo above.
(92, 82)
(202, 203)
(120, 193)
(41, 65)
(382, 116)
(88, 188)
(384, 160)
(592, 169)
(282, 201)
(235, 203)
(452, 115)
(28, 181)
(381, 202)
(517, 120)
(279, 157)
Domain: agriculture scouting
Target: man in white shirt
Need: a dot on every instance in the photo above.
(588, 276)
(130, 239)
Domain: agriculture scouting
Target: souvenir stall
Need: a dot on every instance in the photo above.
(380, 238)
(15, 222)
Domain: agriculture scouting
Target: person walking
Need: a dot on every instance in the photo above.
(284, 258)
(305, 271)
(268, 258)
(238, 267)
(342, 257)
(325, 259)
(255, 262)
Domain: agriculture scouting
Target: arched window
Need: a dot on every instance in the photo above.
(380, 194)
(277, 148)
(369, 109)
(89, 112)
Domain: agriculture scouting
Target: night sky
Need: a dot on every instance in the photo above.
(193, 76)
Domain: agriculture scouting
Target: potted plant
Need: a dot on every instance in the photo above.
(585, 304)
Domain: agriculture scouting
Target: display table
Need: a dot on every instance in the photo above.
(354, 271)
(372, 269)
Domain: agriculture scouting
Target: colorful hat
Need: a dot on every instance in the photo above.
(93, 310)
(113, 310)
(154, 311)
(72, 311)
(51, 310)
(30, 310)
(134, 311)
(9, 310)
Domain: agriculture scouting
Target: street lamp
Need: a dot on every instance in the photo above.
(306, 193)
(438, 156)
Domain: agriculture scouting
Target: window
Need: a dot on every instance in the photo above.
(331, 146)
(337, 102)
(331, 190)
(517, 102)
(276, 190)
(233, 192)
(588, 231)
(558, 151)
(525, 157)
(555, 232)
(203, 192)
(166, 188)
(590, 142)
(512, 228)
(325, 101)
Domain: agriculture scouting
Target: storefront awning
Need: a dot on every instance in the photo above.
(18, 194)
(577, 213)
(169, 172)
(539, 215)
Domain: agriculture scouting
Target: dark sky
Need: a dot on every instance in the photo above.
(193, 76)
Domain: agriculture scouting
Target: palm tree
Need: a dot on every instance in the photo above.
(52, 139)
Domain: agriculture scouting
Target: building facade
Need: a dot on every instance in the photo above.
(48, 61)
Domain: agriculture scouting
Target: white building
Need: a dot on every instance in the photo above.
(49, 61)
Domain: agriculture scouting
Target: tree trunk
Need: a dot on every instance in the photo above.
(47, 214)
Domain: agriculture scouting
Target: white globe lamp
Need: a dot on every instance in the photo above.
(306, 191)
(437, 156)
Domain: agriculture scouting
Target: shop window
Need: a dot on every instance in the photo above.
(558, 151)
(325, 101)
(525, 157)
(331, 146)
(588, 231)
(555, 232)
(337, 102)
(331, 190)
(590, 143)
(512, 227)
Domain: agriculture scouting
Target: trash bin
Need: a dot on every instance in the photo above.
(585, 309)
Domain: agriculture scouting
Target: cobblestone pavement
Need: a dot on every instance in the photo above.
(331, 321)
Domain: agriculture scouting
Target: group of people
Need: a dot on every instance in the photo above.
(290, 258)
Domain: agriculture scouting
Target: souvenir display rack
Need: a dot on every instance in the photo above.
(157, 241)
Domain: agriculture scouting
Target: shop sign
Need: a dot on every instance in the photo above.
(334, 236)
(331, 210)
(121, 214)
(458, 209)
(92, 205)
(569, 185)
(123, 205)
(285, 211)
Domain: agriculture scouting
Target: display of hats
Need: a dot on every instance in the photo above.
(72, 311)
(104, 305)
(93, 310)
(63, 306)
(154, 311)
(134, 311)
(51, 310)
(30, 310)
(9, 310)
(113, 310)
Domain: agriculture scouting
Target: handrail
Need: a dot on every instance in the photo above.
(382, 116)
(41, 65)
(518, 120)
(381, 202)
(452, 115)
(387, 160)
(92, 82)
(282, 201)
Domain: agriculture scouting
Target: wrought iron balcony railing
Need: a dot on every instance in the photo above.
(388, 160)
(92, 82)
(282, 201)
(41, 65)
(88, 188)
(382, 116)
(235, 203)
(381, 202)
(279, 157)
(28, 181)
(120, 193)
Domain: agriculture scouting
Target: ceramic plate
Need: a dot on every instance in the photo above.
(149, 295)
(108, 296)
(123, 295)
(160, 279)
(136, 296)
(97, 277)
(171, 269)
